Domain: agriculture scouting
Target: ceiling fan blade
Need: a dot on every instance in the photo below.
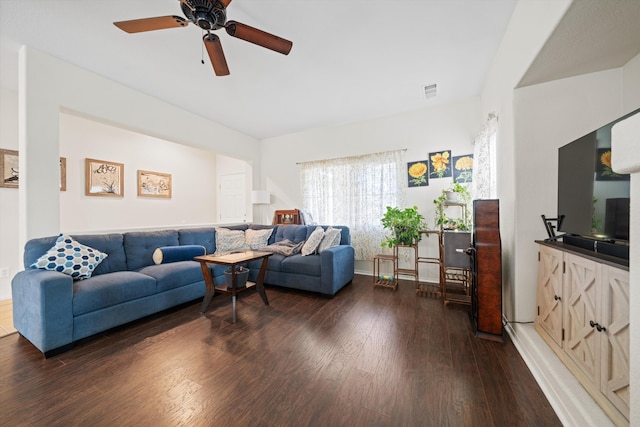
(259, 37)
(216, 55)
(150, 24)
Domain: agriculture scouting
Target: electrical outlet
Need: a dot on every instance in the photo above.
(4, 272)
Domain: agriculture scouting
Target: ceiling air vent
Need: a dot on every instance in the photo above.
(430, 91)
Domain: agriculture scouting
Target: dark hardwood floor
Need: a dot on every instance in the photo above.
(367, 357)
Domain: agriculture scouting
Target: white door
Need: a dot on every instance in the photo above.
(232, 200)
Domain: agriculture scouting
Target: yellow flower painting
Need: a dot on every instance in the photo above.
(463, 168)
(604, 170)
(417, 173)
(440, 164)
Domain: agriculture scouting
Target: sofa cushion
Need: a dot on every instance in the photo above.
(112, 245)
(174, 275)
(169, 254)
(229, 240)
(330, 239)
(295, 233)
(298, 264)
(313, 241)
(272, 238)
(345, 234)
(198, 236)
(70, 257)
(34, 249)
(217, 273)
(107, 290)
(274, 263)
(139, 246)
(257, 239)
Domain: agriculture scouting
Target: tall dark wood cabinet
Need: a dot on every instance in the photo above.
(486, 292)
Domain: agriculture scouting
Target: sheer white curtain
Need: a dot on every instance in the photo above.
(484, 183)
(355, 191)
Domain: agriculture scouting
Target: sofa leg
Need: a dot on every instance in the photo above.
(59, 350)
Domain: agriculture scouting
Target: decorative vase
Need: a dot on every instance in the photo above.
(453, 196)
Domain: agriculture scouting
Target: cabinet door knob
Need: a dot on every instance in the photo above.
(592, 323)
(557, 298)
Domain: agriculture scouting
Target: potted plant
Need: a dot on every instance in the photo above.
(457, 194)
(405, 226)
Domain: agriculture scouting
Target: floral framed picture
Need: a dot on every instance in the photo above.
(462, 168)
(417, 173)
(154, 184)
(604, 172)
(439, 164)
(9, 175)
(104, 179)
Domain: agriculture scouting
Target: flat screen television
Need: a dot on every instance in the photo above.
(593, 200)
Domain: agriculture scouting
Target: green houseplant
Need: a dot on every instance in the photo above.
(459, 194)
(405, 226)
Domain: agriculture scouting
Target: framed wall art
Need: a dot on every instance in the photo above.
(463, 168)
(440, 164)
(102, 178)
(9, 168)
(63, 174)
(417, 173)
(154, 184)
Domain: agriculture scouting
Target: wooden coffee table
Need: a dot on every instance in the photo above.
(232, 259)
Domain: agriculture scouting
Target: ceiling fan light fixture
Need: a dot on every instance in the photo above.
(209, 15)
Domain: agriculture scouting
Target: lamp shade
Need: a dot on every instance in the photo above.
(260, 197)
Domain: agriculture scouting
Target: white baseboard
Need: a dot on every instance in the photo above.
(569, 399)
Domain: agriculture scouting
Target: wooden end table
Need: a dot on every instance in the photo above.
(232, 259)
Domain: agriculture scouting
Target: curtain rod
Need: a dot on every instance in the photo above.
(346, 157)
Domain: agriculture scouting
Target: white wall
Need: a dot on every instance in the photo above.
(549, 116)
(534, 121)
(626, 152)
(626, 158)
(631, 84)
(529, 28)
(193, 173)
(31, 124)
(9, 257)
(48, 85)
(450, 127)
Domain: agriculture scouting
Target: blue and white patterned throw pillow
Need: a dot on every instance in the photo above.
(70, 257)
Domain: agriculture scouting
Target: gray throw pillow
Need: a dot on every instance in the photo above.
(312, 242)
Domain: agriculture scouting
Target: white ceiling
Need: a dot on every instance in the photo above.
(351, 59)
(592, 36)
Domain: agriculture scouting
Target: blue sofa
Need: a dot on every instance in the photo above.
(52, 310)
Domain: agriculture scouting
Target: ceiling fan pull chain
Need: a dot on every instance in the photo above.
(202, 50)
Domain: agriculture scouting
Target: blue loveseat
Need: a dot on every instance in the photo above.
(52, 310)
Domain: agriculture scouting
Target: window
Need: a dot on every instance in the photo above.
(354, 191)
